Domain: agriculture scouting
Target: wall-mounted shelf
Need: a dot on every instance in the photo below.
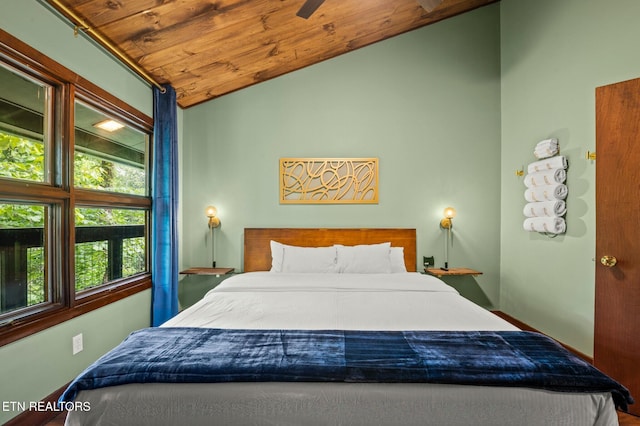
(452, 272)
(207, 271)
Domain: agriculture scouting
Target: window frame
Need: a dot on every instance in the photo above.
(60, 194)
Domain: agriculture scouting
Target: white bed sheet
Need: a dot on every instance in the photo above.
(405, 301)
(411, 301)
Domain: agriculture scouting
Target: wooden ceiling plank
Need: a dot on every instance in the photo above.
(168, 26)
(243, 32)
(234, 38)
(100, 12)
(277, 25)
(201, 54)
(297, 46)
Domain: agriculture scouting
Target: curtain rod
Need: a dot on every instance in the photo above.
(80, 24)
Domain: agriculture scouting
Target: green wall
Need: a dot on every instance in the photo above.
(426, 103)
(33, 367)
(554, 55)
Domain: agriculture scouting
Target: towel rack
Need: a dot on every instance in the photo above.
(546, 190)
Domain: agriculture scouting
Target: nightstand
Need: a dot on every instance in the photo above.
(198, 281)
(452, 272)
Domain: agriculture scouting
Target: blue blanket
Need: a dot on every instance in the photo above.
(485, 358)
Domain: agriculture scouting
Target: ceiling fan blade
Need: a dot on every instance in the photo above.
(429, 5)
(308, 8)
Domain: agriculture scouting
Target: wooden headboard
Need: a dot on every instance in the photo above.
(257, 251)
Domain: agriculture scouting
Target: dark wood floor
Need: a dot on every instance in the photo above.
(624, 419)
(628, 420)
(58, 421)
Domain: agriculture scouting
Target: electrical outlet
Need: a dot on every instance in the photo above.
(77, 343)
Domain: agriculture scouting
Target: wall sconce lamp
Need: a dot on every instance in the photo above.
(447, 223)
(449, 213)
(214, 222)
(212, 214)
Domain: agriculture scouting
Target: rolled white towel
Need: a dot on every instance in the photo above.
(546, 143)
(546, 193)
(552, 225)
(545, 209)
(546, 148)
(547, 177)
(557, 162)
(545, 153)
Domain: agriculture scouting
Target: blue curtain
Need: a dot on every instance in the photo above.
(164, 233)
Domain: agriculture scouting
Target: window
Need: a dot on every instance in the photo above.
(110, 244)
(23, 256)
(74, 196)
(25, 108)
(109, 155)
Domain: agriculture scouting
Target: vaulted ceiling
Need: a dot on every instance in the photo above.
(208, 48)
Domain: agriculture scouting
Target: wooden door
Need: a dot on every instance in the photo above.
(617, 298)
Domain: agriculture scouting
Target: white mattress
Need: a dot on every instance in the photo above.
(411, 301)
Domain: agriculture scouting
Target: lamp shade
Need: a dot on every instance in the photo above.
(449, 212)
(211, 211)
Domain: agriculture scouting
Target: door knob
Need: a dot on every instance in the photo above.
(609, 261)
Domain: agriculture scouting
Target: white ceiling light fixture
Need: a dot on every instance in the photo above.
(109, 125)
(429, 5)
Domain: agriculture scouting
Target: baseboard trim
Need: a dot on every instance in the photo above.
(32, 417)
(521, 325)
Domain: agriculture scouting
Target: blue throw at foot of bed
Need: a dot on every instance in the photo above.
(484, 358)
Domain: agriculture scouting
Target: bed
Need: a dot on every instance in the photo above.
(374, 310)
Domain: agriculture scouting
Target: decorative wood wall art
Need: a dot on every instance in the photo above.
(328, 180)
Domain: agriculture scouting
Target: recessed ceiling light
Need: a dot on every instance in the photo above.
(109, 125)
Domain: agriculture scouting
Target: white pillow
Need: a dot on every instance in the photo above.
(277, 252)
(309, 259)
(396, 258)
(364, 259)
